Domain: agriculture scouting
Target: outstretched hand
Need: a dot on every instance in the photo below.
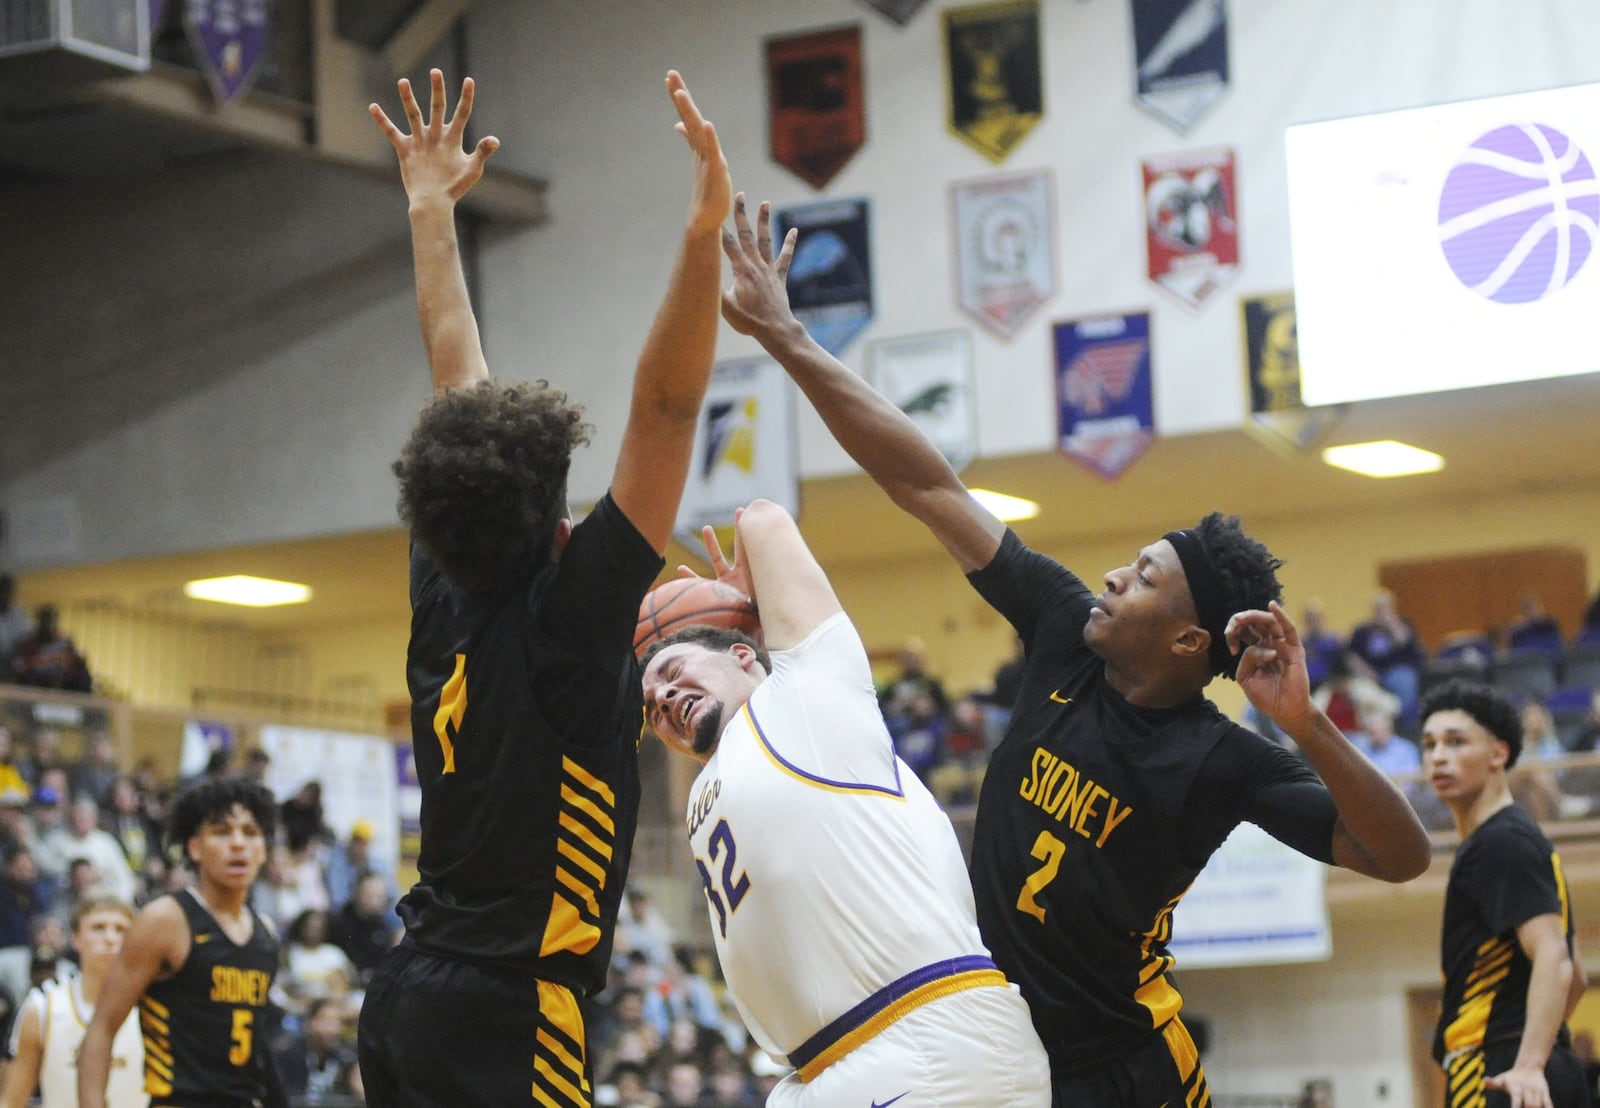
(1272, 663)
(1524, 1086)
(713, 188)
(758, 302)
(735, 573)
(433, 163)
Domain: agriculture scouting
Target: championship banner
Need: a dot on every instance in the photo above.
(830, 280)
(899, 11)
(357, 775)
(745, 447)
(1272, 371)
(994, 74)
(1257, 902)
(1104, 396)
(930, 379)
(1191, 223)
(1181, 54)
(229, 38)
(814, 96)
(1005, 248)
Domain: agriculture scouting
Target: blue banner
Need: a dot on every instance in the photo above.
(230, 39)
(1104, 391)
(830, 282)
(1181, 51)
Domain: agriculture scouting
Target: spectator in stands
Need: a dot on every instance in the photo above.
(686, 1084)
(641, 928)
(85, 840)
(1387, 645)
(16, 829)
(913, 680)
(276, 894)
(632, 1090)
(1587, 735)
(45, 764)
(302, 819)
(959, 774)
(1348, 692)
(51, 837)
(95, 772)
(25, 896)
(1535, 787)
(1322, 645)
(1008, 679)
(11, 779)
(126, 822)
(315, 1063)
(310, 960)
(682, 994)
(1535, 629)
(918, 729)
(362, 929)
(15, 626)
(256, 764)
(729, 1086)
(46, 658)
(352, 860)
(1392, 753)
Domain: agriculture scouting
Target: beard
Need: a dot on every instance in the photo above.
(708, 730)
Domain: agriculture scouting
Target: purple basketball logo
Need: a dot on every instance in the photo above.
(1519, 213)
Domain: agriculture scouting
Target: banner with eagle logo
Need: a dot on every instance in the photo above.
(1104, 391)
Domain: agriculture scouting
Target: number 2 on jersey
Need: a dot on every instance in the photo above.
(1049, 850)
(733, 889)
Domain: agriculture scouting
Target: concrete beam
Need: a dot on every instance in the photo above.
(410, 44)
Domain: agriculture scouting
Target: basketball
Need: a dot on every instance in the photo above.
(1517, 213)
(688, 601)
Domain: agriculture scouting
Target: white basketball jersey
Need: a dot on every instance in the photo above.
(63, 1018)
(830, 870)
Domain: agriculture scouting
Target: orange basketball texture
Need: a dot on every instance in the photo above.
(690, 600)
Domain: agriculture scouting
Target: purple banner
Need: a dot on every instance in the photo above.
(229, 37)
(1106, 414)
(157, 10)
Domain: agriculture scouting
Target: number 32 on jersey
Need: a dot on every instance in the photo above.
(726, 889)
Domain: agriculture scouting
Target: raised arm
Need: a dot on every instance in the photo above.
(157, 943)
(1377, 832)
(881, 438)
(792, 593)
(437, 172)
(669, 384)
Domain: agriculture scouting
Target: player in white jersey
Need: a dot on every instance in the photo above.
(839, 900)
(49, 1028)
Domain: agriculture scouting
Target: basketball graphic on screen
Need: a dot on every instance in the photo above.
(688, 601)
(1518, 213)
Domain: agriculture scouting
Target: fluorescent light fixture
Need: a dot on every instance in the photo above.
(1386, 458)
(251, 592)
(1006, 508)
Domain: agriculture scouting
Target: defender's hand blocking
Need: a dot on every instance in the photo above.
(708, 205)
(758, 302)
(433, 164)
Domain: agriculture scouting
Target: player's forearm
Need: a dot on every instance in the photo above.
(1378, 831)
(94, 1067)
(1549, 985)
(675, 361)
(449, 327)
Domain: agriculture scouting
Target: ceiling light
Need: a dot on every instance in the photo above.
(1006, 508)
(252, 592)
(1383, 459)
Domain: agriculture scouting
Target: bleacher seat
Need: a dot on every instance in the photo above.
(1462, 654)
(1569, 707)
(1529, 674)
(1542, 634)
(1581, 665)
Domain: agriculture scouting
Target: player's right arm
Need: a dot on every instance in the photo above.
(881, 438)
(22, 1075)
(792, 593)
(437, 172)
(674, 367)
(156, 946)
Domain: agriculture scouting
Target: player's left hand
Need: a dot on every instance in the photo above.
(1272, 663)
(735, 573)
(1524, 1085)
(433, 164)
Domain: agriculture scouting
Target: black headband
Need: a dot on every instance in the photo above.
(1209, 603)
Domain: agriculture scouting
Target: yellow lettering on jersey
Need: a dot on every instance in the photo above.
(1055, 786)
(452, 706)
(231, 985)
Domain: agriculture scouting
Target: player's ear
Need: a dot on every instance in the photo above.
(563, 535)
(1192, 641)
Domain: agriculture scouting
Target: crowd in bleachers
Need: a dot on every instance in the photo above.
(34, 650)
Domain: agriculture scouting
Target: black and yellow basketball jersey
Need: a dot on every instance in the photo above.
(525, 715)
(1096, 815)
(1506, 873)
(206, 1027)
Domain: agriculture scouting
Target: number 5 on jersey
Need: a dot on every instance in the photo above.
(732, 888)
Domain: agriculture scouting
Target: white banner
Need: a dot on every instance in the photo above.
(1005, 252)
(1257, 902)
(357, 774)
(930, 378)
(744, 448)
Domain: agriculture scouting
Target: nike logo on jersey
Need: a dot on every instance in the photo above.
(1059, 699)
(886, 1103)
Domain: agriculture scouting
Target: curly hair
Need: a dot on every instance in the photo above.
(483, 480)
(1491, 708)
(715, 639)
(1246, 573)
(214, 800)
